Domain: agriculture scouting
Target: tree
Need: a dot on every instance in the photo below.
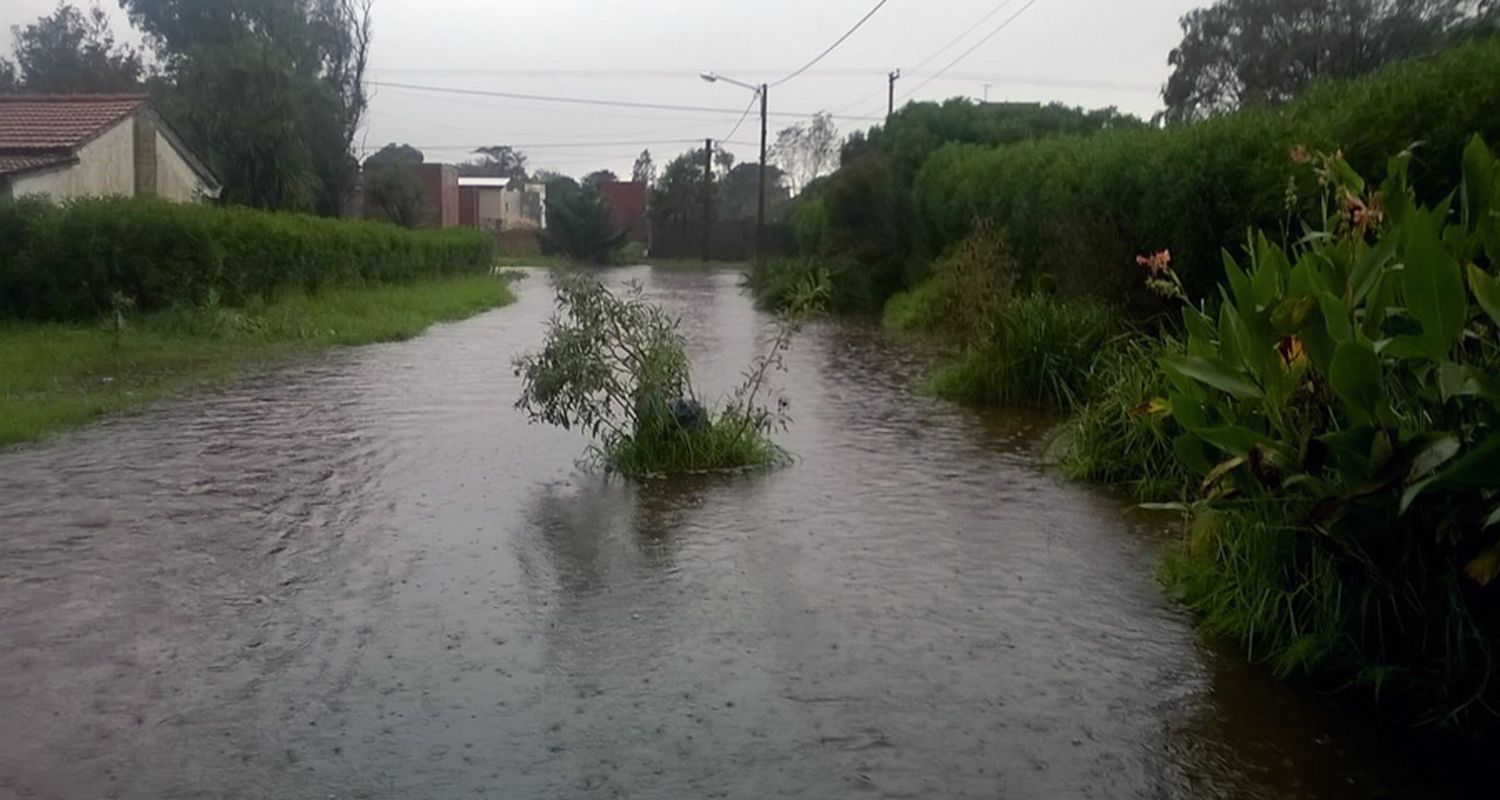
(9, 80)
(644, 170)
(393, 186)
(593, 179)
(807, 150)
(677, 196)
(578, 226)
(70, 51)
(1262, 52)
(272, 91)
(739, 192)
(496, 161)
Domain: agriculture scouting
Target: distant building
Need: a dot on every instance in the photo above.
(66, 146)
(501, 204)
(626, 201)
(440, 197)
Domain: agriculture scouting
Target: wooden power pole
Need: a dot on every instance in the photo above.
(890, 107)
(708, 197)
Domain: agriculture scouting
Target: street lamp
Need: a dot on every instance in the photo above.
(760, 200)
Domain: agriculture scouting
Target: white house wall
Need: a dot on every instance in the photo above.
(175, 179)
(106, 166)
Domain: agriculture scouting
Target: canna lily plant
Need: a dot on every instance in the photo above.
(1355, 372)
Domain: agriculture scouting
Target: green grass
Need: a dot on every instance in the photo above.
(727, 444)
(55, 376)
(1111, 439)
(1043, 354)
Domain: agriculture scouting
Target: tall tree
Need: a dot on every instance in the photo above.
(677, 196)
(1259, 52)
(393, 186)
(271, 90)
(644, 170)
(496, 161)
(739, 191)
(71, 51)
(598, 176)
(9, 80)
(578, 226)
(807, 150)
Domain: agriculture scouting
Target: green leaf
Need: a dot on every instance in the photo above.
(1232, 439)
(1239, 282)
(1487, 291)
(1189, 450)
(1429, 454)
(1265, 284)
(1357, 379)
(1434, 288)
(1369, 268)
(1234, 340)
(1480, 467)
(1479, 181)
(1455, 380)
(1290, 314)
(1215, 373)
(1336, 318)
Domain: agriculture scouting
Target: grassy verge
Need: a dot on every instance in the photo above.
(54, 376)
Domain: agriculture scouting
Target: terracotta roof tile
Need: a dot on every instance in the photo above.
(13, 164)
(30, 123)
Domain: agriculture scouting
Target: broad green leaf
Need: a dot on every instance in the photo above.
(1266, 283)
(1336, 318)
(1201, 336)
(1369, 268)
(1487, 291)
(1347, 176)
(1235, 346)
(1479, 467)
(1479, 181)
(1213, 372)
(1232, 439)
(1435, 294)
(1350, 453)
(1456, 380)
(1189, 414)
(1357, 379)
(1239, 282)
(1429, 454)
(1189, 450)
(1378, 304)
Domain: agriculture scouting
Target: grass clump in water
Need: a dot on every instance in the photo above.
(616, 366)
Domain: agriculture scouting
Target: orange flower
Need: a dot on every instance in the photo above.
(1300, 155)
(1156, 264)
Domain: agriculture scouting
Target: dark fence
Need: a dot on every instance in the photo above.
(728, 240)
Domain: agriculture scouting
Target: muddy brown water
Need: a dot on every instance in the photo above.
(365, 576)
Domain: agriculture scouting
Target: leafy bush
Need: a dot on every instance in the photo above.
(1075, 209)
(72, 261)
(1350, 382)
(790, 283)
(616, 367)
(579, 228)
(969, 291)
(1042, 353)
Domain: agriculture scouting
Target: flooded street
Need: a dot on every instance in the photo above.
(365, 576)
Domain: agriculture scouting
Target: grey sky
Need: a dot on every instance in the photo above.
(1081, 52)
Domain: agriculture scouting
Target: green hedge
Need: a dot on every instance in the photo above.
(69, 261)
(1077, 210)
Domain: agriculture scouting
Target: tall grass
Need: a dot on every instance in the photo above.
(1115, 437)
(1042, 354)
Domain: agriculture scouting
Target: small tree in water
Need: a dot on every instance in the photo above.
(616, 366)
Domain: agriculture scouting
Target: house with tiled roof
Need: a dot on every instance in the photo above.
(66, 146)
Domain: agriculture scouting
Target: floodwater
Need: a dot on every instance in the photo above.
(365, 576)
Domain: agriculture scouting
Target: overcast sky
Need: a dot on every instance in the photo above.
(1081, 52)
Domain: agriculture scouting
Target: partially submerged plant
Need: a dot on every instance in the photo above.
(616, 366)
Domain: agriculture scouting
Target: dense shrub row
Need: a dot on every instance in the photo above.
(1075, 210)
(79, 260)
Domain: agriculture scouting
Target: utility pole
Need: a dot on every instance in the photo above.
(760, 199)
(708, 196)
(890, 107)
(987, 93)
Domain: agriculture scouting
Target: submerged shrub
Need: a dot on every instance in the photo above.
(616, 367)
(966, 295)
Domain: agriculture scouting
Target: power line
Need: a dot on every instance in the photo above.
(835, 45)
(955, 40)
(965, 54)
(581, 100)
(743, 117)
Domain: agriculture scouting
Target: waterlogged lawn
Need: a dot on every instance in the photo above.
(57, 376)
